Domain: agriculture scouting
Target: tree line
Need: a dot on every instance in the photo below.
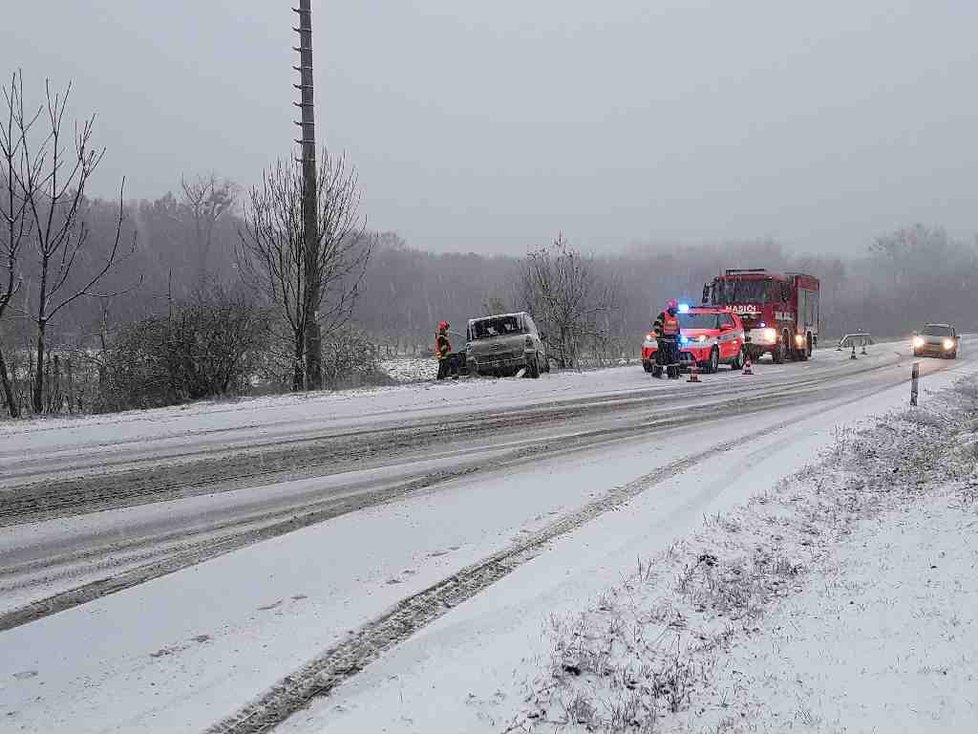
(111, 304)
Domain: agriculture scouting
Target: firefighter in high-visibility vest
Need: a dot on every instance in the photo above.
(666, 330)
(443, 349)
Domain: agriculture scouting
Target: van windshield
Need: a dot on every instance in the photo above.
(496, 326)
(936, 330)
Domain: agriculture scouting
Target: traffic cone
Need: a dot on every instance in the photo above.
(853, 355)
(694, 373)
(748, 367)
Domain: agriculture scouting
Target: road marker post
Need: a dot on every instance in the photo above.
(853, 355)
(914, 378)
(748, 367)
(694, 373)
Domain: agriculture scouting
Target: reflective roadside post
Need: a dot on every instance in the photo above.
(914, 377)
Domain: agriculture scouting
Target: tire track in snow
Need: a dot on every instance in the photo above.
(295, 519)
(212, 469)
(322, 674)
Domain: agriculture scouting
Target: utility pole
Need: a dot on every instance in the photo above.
(310, 214)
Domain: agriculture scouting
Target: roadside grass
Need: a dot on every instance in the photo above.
(642, 657)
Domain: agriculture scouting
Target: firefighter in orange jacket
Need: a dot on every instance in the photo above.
(443, 349)
(666, 329)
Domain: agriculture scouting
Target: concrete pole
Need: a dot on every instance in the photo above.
(310, 213)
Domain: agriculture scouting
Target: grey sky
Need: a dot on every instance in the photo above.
(488, 126)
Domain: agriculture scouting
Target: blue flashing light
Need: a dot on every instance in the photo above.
(683, 308)
(684, 340)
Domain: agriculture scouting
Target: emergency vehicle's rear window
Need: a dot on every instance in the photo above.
(485, 328)
(698, 321)
(935, 330)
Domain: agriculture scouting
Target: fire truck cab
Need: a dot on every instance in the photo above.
(780, 311)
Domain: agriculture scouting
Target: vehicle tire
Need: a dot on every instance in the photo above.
(533, 367)
(738, 363)
(714, 363)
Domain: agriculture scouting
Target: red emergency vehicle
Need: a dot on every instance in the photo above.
(780, 311)
(708, 336)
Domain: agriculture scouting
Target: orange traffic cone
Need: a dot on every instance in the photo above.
(748, 367)
(694, 373)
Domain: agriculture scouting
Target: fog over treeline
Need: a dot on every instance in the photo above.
(901, 279)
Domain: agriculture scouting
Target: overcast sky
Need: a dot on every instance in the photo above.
(489, 125)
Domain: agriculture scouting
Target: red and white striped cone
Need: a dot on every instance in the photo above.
(748, 367)
(694, 373)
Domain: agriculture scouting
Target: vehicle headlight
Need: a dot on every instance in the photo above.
(701, 338)
(948, 344)
(800, 340)
(918, 342)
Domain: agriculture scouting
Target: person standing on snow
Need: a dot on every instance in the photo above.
(443, 349)
(666, 330)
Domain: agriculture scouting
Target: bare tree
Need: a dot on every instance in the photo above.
(13, 208)
(272, 247)
(562, 291)
(52, 177)
(206, 198)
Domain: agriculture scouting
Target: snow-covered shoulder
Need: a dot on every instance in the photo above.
(841, 600)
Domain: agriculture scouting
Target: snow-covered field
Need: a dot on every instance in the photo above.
(528, 498)
(409, 369)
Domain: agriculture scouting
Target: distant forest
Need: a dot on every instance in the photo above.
(894, 284)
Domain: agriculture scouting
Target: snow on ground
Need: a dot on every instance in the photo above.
(886, 640)
(847, 595)
(219, 424)
(409, 369)
(466, 671)
(181, 651)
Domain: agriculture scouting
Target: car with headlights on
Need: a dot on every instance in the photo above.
(937, 340)
(708, 337)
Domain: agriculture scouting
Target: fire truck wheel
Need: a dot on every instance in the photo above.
(713, 363)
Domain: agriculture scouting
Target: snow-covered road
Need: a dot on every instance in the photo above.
(159, 570)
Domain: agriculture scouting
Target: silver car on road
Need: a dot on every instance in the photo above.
(504, 344)
(937, 340)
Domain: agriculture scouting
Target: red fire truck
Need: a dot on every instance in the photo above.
(779, 310)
